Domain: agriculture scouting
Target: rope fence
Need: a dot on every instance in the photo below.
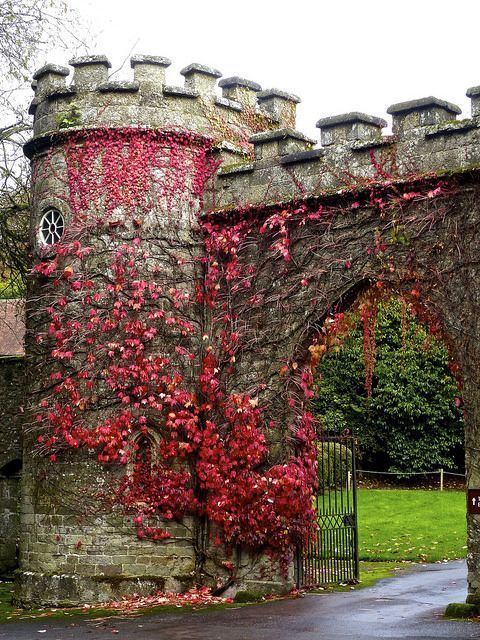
(441, 472)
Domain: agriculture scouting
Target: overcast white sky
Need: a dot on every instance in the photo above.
(338, 56)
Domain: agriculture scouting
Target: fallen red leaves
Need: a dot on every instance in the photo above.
(198, 597)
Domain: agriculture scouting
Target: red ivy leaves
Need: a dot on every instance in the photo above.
(114, 382)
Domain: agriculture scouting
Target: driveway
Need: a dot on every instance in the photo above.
(406, 607)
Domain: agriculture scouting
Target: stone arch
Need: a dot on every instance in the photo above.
(143, 449)
(426, 250)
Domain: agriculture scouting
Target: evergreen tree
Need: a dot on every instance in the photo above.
(411, 422)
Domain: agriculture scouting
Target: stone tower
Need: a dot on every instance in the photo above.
(161, 143)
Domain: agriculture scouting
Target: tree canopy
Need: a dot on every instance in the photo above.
(411, 422)
(27, 30)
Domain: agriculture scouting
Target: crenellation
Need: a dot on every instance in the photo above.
(90, 72)
(200, 78)
(93, 100)
(282, 106)
(240, 90)
(437, 148)
(421, 113)
(350, 127)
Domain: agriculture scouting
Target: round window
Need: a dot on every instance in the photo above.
(52, 226)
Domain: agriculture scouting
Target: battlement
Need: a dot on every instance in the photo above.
(229, 111)
(426, 137)
(264, 157)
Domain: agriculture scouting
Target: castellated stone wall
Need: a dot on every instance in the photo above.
(426, 137)
(69, 552)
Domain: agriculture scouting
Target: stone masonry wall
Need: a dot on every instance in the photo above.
(12, 393)
(9, 524)
(72, 556)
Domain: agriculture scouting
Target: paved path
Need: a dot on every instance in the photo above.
(407, 607)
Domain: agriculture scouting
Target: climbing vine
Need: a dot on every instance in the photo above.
(132, 354)
(158, 317)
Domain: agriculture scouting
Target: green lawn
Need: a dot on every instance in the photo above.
(416, 525)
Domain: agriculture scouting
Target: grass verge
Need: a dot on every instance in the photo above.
(411, 525)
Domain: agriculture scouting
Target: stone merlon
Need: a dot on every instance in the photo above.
(349, 127)
(348, 118)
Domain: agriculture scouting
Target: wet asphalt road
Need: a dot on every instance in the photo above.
(407, 607)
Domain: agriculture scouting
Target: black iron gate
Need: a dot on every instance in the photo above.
(331, 556)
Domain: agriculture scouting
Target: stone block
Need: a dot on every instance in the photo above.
(421, 113)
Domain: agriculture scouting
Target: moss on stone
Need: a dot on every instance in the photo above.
(247, 596)
(461, 610)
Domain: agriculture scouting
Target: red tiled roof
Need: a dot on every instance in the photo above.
(12, 327)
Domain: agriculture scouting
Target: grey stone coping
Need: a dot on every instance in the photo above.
(195, 67)
(473, 92)
(230, 104)
(277, 93)
(235, 81)
(155, 60)
(168, 90)
(423, 103)
(238, 168)
(350, 118)
(451, 127)
(279, 134)
(81, 61)
(122, 86)
(303, 156)
(224, 145)
(62, 93)
(56, 69)
(361, 145)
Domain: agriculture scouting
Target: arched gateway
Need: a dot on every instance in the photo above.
(188, 248)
